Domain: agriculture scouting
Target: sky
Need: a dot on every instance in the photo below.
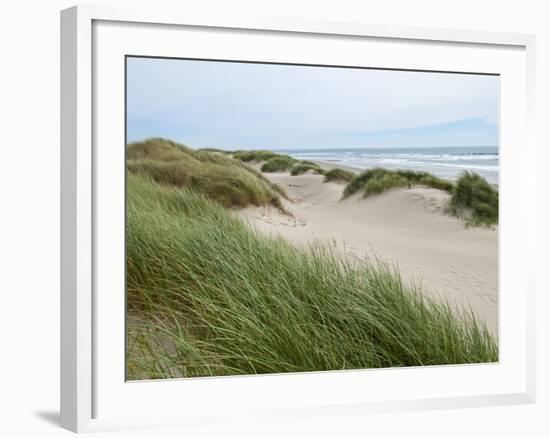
(232, 105)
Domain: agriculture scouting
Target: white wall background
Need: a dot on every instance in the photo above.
(29, 215)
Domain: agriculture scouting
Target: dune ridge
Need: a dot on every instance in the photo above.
(406, 226)
(207, 294)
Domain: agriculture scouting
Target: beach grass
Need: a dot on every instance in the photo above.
(378, 180)
(472, 199)
(475, 200)
(340, 175)
(255, 155)
(217, 176)
(306, 166)
(209, 296)
(278, 164)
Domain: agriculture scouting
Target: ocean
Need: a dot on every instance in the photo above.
(447, 162)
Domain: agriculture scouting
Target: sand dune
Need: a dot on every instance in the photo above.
(407, 227)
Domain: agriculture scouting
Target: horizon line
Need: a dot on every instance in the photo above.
(237, 148)
(392, 147)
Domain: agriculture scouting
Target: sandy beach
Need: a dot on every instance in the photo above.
(407, 227)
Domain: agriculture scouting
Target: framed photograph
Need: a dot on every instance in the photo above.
(280, 218)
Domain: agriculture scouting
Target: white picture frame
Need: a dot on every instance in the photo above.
(92, 384)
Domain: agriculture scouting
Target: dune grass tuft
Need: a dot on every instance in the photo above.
(379, 180)
(339, 175)
(306, 166)
(475, 200)
(278, 164)
(257, 155)
(207, 296)
(215, 175)
(220, 151)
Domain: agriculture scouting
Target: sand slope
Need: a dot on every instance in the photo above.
(406, 226)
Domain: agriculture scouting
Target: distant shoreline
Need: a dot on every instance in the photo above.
(407, 148)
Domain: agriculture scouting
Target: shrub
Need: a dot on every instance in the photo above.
(475, 199)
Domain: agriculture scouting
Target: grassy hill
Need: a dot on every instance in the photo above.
(215, 175)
